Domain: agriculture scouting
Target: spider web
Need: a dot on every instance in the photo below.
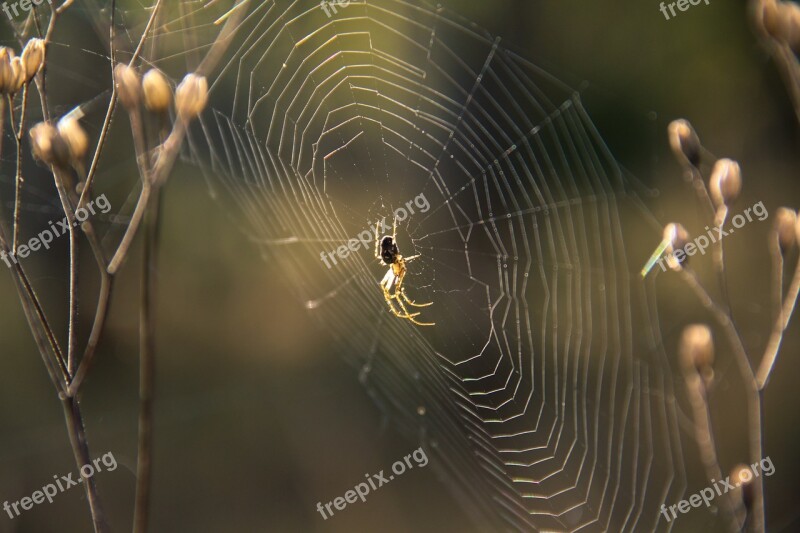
(540, 392)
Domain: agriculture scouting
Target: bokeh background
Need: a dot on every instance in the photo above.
(258, 417)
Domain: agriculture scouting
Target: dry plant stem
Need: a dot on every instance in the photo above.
(167, 155)
(18, 191)
(33, 307)
(693, 175)
(147, 364)
(38, 323)
(753, 395)
(73, 416)
(87, 187)
(77, 436)
(777, 275)
(719, 259)
(790, 70)
(705, 441)
(60, 177)
(101, 313)
(781, 321)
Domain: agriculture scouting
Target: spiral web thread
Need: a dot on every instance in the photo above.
(541, 393)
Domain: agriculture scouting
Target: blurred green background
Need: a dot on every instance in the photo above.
(258, 417)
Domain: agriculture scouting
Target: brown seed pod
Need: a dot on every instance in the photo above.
(696, 350)
(128, 85)
(17, 76)
(75, 138)
(725, 182)
(33, 57)
(770, 18)
(742, 479)
(789, 24)
(6, 71)
(684, 142)
(48, 146)
(157, 91)
(786, 228)
(191, 96)
(677, 238)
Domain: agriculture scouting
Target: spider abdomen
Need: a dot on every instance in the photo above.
(389, 250)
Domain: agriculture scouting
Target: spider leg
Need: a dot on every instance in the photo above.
(400, 295)
(411, 302)
(411, 316)
(420, 323)
(400, 290)
(403, 312)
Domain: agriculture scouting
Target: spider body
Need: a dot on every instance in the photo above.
(388, 253)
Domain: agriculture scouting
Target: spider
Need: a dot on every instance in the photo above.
(387, 252)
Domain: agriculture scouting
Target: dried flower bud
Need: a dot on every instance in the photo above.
(742, 479)
(191, 96)
(790, 18)
(797, 230)
(17, 76)
(696, 350)
(157, 91)
(48, 146)
(129, 86)
(786, 228)
(75, 138)
(33, 57)
(770, 17)
(684, 142)
(6, 71)
(677, 238)
(725, 182)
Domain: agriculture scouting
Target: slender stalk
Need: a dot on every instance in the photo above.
(60, 179)
(147, 364)
(781, 321)
(77, 437)
(704, 436)
(753, 396)
(777, 275)
(19, 179)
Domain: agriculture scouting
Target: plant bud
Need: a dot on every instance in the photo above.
(696, 350)
(129, 86)
(48, 146)
(684, 142)
(725, 182)
(75, 138)
(797, 230)
(17, 76)
(770, 18)
(742, 478)
(6, 71)
(33, 58)
(157, 91)
(191, 96)
(677, 238)
(790, 25)
(785, 228)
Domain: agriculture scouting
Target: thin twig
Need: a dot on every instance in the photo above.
(781, 321)
(705, 439)
(19, 179)
(147, 365)
(77, 436)
(751, 388)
